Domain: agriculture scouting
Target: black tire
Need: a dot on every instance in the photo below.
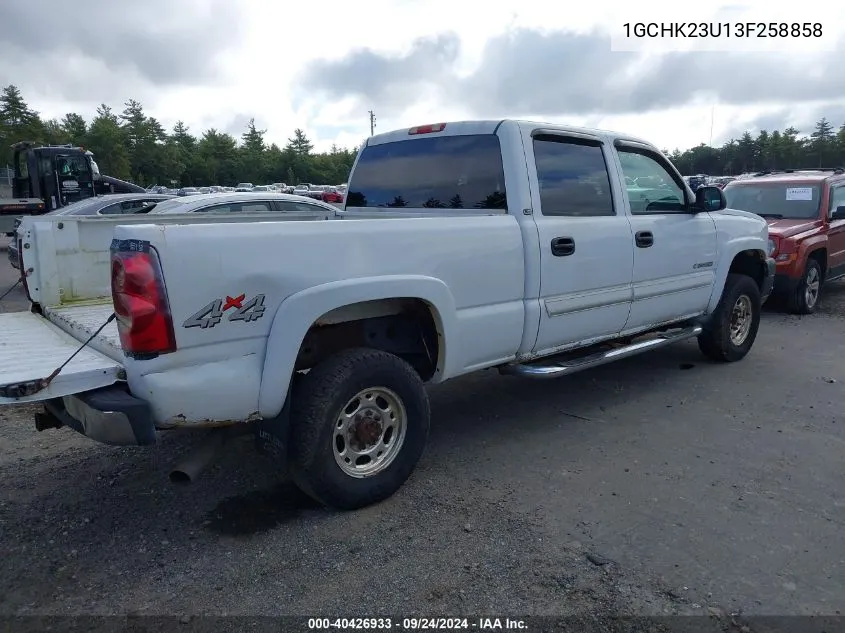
(715, 341)
(318, 401)
(804, 301)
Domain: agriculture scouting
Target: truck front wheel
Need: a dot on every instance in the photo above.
(733, 327)
(359, 424)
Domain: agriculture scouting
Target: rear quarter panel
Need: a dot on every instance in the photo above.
(307, 269)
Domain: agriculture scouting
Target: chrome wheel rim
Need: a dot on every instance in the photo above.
(813, 285)
(741, 318)
(369, 432)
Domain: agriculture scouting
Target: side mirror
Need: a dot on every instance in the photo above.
(709, 198)
(839, 214)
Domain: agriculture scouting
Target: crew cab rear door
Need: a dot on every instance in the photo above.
(32, 348)
(586, 243)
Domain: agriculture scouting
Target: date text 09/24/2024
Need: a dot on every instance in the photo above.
(768, 30)
(417, 624)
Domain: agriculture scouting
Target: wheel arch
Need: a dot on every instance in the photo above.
(347, 301)
(745, 257)
(819, 254)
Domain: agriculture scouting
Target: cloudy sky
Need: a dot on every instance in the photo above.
(323, 64)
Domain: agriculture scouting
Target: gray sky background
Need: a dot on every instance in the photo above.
(210, 64)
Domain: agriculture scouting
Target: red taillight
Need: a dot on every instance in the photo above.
(427, 129)
(140, 304)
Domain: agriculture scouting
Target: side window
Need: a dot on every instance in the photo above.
(217, 208)
(299, 207)
(255, 207)
(128, 207)
(654, 190)
(837, 198)
(21, 167)
(573, 177)
(112, 209)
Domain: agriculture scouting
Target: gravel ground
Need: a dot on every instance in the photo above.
(661, 484)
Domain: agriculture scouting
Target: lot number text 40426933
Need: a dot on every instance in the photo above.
(417, 624)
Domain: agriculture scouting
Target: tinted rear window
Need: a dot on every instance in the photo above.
(440, 172)
(790, 200)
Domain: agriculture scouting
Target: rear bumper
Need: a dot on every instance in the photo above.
(110, 415)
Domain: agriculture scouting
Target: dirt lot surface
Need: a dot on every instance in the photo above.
(660, 484)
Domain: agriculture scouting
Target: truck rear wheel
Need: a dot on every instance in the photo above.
(733, 327)
(359, 424)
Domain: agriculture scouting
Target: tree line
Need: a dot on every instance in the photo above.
(787, 149)
(133, 146)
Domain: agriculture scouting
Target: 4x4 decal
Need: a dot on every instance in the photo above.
(212, 313)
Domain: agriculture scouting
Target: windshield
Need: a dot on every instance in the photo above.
(787, 200)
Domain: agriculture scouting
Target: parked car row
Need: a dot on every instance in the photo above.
(211, 203)
(326, 193)
(698, 180)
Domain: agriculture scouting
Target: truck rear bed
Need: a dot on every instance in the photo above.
(32, 347)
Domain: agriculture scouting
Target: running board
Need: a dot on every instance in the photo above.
(549, 368)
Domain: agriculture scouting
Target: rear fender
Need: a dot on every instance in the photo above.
(297, 314)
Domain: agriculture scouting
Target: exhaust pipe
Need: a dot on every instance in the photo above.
(188, 469)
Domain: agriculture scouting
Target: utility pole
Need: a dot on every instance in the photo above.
(712, 118)
(372, 122)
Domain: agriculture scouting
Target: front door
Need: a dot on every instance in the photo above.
(674, 249)
(836, 234)
(586, 245)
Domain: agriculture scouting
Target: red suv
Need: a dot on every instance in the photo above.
(805, 209)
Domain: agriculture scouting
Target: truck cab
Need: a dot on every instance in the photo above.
(58, 175)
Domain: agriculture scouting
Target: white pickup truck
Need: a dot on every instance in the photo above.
(460, 247)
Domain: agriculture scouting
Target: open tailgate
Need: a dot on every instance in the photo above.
(32, 348)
